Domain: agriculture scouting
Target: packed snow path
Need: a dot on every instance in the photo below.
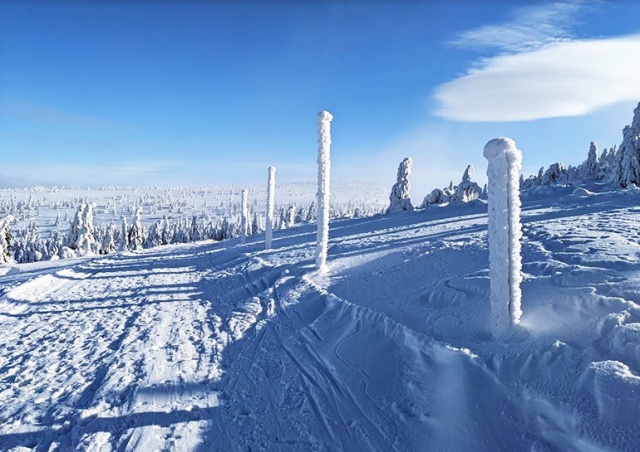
(216, 346)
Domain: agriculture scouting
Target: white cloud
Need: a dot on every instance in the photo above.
(529, 27)
(562, 79)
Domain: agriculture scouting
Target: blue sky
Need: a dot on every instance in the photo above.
(214, 92)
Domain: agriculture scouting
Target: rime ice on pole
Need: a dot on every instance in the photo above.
(244, 220)
(324, 195)
(271, 187)
(505, 162)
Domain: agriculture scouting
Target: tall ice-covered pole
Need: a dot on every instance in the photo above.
(244, 221)
(271, 187)
(505, 232)
(324, 194)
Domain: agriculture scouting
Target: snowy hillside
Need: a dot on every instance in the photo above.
(217, 346)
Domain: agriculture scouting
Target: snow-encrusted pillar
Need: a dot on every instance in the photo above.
(244, 220)
(271, 187)
(505, 232)
(324, 194)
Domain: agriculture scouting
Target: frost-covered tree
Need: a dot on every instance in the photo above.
(399, 198)
(271, 188)
(5, 239)
(108, 241)
(590, 170)
(324, 119)
(76, 227)
(629, 169)
(290, 216)
(123, 240)
(136, 232)
(505, 232)
(467, 190)
(86, 242)
(553, 174)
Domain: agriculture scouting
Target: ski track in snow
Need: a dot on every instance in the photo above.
(216, 346)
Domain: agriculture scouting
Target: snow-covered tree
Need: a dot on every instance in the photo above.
(629, 169)
(271, 188)
(86, 242)
(136, 232)
(290, 216)
(76, 227)
(399, 197)
(553, 174)
(505, 232)
(108, 241)
(324, 119)
(123, 240)
(467, 190)
(591, 167)
(5, 239)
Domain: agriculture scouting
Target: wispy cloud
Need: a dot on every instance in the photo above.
(528, 28)
(564, 79)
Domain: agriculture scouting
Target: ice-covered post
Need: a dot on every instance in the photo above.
(244, 220)
(324, 194)
(505, 263)
(271, 188)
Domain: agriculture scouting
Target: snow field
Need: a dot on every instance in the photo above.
(212, 346)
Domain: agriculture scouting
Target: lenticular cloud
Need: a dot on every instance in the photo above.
(564, 79)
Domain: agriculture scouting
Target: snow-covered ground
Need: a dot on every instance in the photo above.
(217, 346)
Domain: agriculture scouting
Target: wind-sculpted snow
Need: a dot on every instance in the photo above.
(213, 346)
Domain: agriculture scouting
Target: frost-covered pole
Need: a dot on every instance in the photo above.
(244, 220)
(271, 188)
(505, 262)
(324, 194)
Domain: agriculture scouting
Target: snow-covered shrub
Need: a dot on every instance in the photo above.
(324, 119)
(271, 187)
(436, 196)
(399, 198)
(505, 232)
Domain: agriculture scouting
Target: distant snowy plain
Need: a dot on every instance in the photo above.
(217, 346)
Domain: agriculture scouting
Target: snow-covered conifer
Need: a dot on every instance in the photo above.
(553, 174)
(467, 190)
(629, 169)
(86, 242)
(290, 216)
(136, 232)
(5, 239)
(505, 232)
(108, 241)
(271, 187)
(76, 227)
(244, 219)
(123, 242)
(590, 170)
(324, 119)
(399, 197)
